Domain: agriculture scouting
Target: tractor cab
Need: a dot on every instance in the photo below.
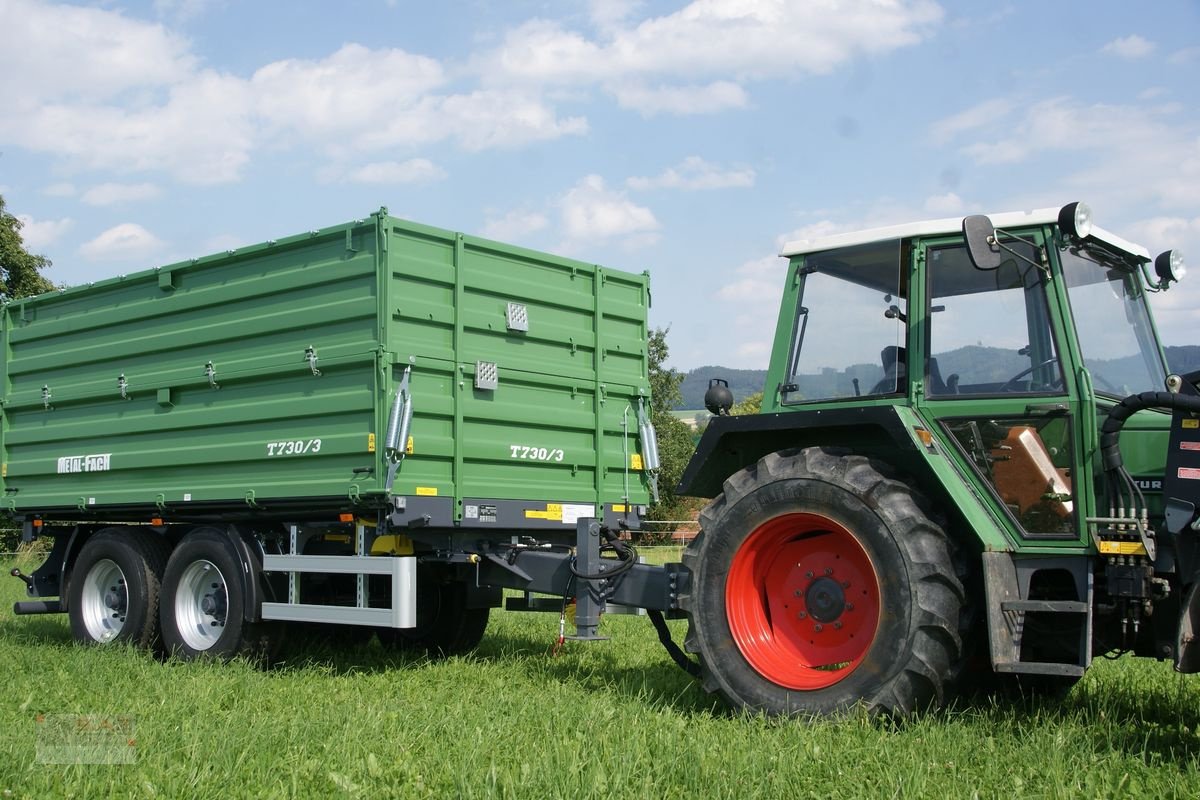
(1007, 338)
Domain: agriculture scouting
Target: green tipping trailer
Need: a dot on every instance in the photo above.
(378, 387)
(265, 379)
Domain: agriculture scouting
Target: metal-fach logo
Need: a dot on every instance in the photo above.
(101, 462)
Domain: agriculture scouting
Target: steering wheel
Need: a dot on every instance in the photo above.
(1010, 385)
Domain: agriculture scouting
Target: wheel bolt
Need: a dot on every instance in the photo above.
(818, 627)
(845, 584)
(798, 593)
(837, 626)
(802, 615)
(849, 606)
(829, 570)
(808, 574)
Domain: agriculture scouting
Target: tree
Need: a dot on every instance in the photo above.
(20, 276)
(20, 270)
(750, 404)
(675, 445)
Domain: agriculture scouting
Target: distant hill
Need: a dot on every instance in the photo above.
(743, 382)
(1184, 358)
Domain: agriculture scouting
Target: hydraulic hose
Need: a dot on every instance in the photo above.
(1110, 431)
(664, 636)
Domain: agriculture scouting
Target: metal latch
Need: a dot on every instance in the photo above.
(123, 385)
(310, 355)
(210, 372)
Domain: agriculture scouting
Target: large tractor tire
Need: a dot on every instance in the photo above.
(819, 585)
(446, 625)
(114, 586)
(203, 602)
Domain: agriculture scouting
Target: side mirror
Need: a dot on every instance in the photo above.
(980, 235)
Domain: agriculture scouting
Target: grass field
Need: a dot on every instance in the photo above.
(603, 720)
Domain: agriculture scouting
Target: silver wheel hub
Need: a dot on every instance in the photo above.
(201, 605)
(105, 600)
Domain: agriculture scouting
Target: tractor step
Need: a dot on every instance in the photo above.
(1039, 668)
(1052, 606)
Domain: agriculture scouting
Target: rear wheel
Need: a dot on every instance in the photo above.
(446, 625)
(114, 587)
(203, 601)
(819, 584)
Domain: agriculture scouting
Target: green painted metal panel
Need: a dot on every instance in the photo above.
(268, 374)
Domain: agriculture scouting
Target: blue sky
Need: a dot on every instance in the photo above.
(687, 139)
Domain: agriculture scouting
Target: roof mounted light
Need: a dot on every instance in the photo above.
(1075, 219)
(1170, 268)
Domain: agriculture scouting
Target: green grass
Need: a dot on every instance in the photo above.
(604, 720)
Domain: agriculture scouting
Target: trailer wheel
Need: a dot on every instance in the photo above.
(819, 584)
(114, 587)
(203, 601)
(446, 626)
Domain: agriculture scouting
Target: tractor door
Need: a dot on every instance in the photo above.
(994, 387)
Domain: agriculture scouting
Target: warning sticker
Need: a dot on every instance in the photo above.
(566, 513)
(1189, 473)
(1191, 423)
(553, 512)
(1189, 445)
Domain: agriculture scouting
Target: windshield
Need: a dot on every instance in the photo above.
(1116, 337)
(849, 334)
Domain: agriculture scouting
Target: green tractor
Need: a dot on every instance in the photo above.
(971, 470)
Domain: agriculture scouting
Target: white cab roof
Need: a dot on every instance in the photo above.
(937, 227)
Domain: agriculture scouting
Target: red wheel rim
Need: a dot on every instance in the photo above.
(802, 599)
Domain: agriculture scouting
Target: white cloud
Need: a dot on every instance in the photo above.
(606, 14)
(415, 170)
(590, 211)
(64, 51)
(183, 10)
(1185, 56)
(61, 189)
(1129, 47)
(514, 225)
(755, 281)
(945, 205)
(37, 234)
(1127, 155)
(488, 119)
(99, 91)
(108, 194)
(695, 173)
(224, 242)
(709, 99)
(978, 116)
(345, 93)
(752, 38)
(201, 133)
(732, 41)
(125, 242)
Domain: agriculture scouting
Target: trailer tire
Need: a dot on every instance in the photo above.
(820, 585)
(203, 602)
(114, 587)
(446, 625)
